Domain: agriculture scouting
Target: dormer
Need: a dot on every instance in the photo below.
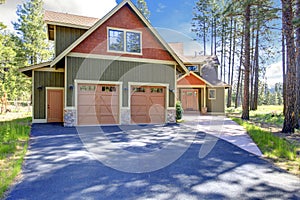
(63, 29)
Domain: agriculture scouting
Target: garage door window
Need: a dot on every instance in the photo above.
(157, 90)
(139, 89)
(109, 89)
(87, 88)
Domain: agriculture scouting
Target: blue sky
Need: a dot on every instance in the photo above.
(172, 18)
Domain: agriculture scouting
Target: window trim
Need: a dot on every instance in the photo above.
(125, 40)
(215, 96)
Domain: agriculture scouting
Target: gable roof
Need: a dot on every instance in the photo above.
(195, 75)
(69, 20)
(105, 18)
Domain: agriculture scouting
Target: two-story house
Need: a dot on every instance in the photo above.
(115, 70)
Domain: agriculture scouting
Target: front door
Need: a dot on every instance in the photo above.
(189, 99)
(55, 105)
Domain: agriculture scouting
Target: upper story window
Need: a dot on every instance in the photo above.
(124, 41)
(193, 68)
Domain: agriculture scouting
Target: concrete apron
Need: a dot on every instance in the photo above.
(224, 128)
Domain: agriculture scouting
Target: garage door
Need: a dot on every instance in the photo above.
(147, 104)
(98, 104)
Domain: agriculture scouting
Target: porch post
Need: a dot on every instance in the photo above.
(204, 103)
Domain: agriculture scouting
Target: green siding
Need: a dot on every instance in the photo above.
(121, 71)
(218, 104)
(44, 79)
(65, 36)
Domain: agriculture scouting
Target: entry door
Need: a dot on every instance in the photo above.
(55, 105)
(189, 99)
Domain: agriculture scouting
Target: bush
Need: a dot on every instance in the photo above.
(179, 110)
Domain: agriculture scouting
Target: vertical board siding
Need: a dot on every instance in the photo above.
(218, 104)
(121, 71)
(44, 79)
(65, 36)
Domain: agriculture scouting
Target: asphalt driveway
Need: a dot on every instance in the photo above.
(70, 163)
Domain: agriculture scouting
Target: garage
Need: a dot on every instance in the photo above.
(148, 104)
(98, 104)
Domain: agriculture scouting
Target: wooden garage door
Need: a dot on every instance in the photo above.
(98, 104)
(147, 104)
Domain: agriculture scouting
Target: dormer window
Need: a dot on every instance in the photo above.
(124, 41)
(193, 68)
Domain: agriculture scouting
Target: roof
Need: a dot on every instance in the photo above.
(28, 70)
(70, 20)
(192, 60)
(105, 18)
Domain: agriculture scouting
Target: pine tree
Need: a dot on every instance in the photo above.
(31, 30)
(142, 6)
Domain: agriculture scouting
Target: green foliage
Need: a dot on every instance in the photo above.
(32, 32)
(142, 6)
(14, 136)
(271, 146)
(179, 110)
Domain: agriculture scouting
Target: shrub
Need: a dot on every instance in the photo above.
(179, 110)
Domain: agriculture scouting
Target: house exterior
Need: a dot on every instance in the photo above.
(114, 70)
(200, 89)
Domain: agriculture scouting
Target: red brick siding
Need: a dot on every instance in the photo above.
(190, 80)
(125, 18)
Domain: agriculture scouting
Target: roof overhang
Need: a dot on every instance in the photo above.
(28, 70)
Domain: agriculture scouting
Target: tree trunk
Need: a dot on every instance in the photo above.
(245, 113)
(212, 38)
(229, 62)
(256, 70)
(298, 63)
(238, 93)
(204, 38)
(283, 73)
(289, 118)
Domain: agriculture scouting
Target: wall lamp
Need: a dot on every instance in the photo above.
(171, 90)
(71, 87)
(40, 87)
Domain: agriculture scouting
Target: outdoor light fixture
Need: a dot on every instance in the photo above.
(40, 87)
(125, 88)
(171, 90)
(71, 87)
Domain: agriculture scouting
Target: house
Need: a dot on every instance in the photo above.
(200, 90)
(114, 70)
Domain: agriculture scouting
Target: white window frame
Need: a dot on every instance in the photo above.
(215, 92)
(125, 41)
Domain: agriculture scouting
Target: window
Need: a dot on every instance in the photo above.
(139, 89)
(116, 40)
(211, 94)
(87, 88)
(109, 89)
(157, 90)
(193, 68)
(124, 41)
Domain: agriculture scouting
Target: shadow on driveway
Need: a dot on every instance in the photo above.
(58, 166)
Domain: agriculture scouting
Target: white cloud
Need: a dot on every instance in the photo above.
(160, 7)
(91, 8)
(274, 73)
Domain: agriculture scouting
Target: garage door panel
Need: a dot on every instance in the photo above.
(148, 104)
(98, 104)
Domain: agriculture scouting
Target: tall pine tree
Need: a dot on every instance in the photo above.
(31, 30)
(142, 6)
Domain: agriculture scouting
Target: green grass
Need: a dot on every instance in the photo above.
(14, 136)
(271, 146)
(268, 114)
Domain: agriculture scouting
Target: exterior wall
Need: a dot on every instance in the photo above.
(121, 71)
(44, 79)
(65, 36)
(125, 18)
(216, 105)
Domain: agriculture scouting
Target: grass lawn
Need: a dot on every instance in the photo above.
(14, 136)
(263, 121)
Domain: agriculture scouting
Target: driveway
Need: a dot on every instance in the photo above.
(121, 162)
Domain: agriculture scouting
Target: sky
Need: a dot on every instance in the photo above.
(172, 18)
